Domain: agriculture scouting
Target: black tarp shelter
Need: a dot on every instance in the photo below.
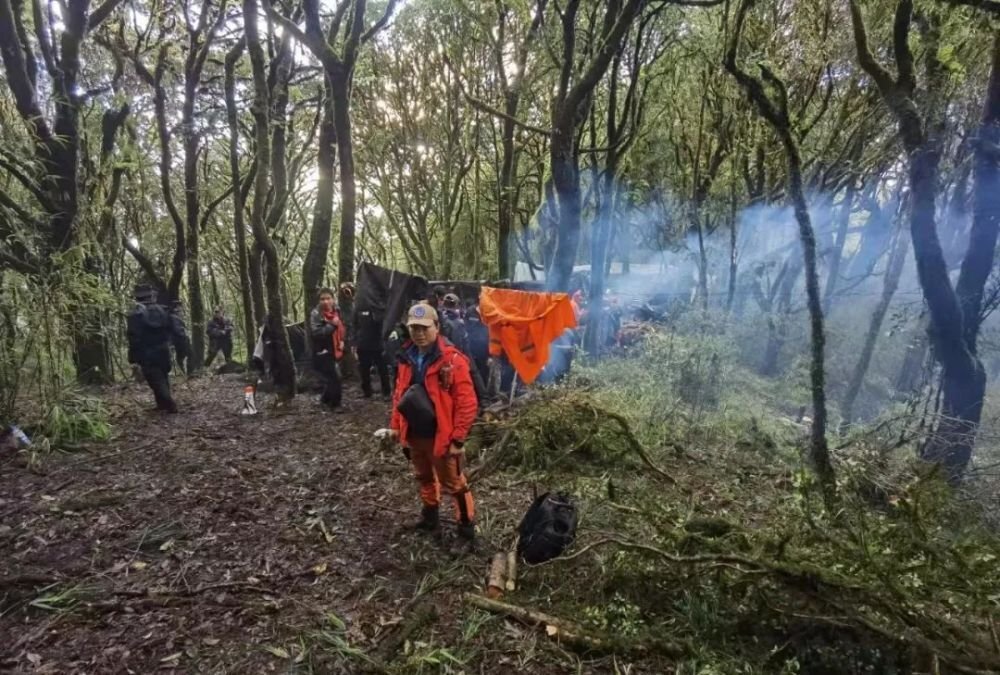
(387, 293)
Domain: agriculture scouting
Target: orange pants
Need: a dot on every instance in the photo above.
(434, 472)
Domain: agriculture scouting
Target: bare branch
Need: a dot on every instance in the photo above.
(354, 37)
(338, 17)
(17, 75)
(381, 23)
(98, 16)
(212, 206)
(568, 19)
(487, 108)
(883, 80)
(28, 184)
(907, 80)
(306, 39)
(12, 204)
(9, 261)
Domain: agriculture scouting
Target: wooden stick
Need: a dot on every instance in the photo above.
(495, 582)
(524, 615)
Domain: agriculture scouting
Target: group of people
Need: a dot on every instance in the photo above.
(438, 355)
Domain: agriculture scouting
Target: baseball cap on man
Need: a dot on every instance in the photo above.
(421, 314)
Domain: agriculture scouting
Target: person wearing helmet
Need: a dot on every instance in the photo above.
(151, 329)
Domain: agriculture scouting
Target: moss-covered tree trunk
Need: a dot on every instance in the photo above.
(283, 367)
(954, 312)
(239, 221)
(774, 109)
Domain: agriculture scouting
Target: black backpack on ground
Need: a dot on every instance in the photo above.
(547, 529)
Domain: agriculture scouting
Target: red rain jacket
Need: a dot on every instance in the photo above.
(449, 385)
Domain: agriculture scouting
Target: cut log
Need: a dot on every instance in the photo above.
(495, 582)
(511, 570)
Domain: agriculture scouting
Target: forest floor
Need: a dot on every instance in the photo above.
(213, 542)
(210, 542)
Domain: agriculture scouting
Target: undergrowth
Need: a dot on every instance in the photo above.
(736, 558)
(76, 419)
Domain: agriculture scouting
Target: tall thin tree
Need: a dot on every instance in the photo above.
(773, 107)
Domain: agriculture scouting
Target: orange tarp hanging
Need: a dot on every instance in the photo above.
(523, 325)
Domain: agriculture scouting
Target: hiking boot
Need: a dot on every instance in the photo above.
(429, 519)
(466, 543)
(467, 531)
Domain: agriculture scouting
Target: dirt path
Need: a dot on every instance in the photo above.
(211, 542)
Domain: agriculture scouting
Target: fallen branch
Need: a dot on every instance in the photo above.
(490, 463)
(569, 633)
(423, 614)
(92, 459)
(247, 586)
(634, 443)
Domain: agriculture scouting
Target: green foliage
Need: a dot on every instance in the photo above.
(903, 565)
(558, 430)
(76, 419)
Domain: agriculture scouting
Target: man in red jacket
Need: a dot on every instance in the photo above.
(433, 408)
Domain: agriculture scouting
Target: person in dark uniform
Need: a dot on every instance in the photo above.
(182, 347)
(220, 337)
(479, 342)
(454, 329)
(151, 329)
(451, 315)
(436, 299)
(371, 351)
(328, 336)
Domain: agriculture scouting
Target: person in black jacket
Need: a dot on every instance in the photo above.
(151, 329)
(454, 329)
(328, 337)
(182, 346)
(371, 351)
(220, 337)
(479, 342)
(454, 325)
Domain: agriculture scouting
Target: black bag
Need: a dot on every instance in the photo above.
(416, 406)
(547, 528)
